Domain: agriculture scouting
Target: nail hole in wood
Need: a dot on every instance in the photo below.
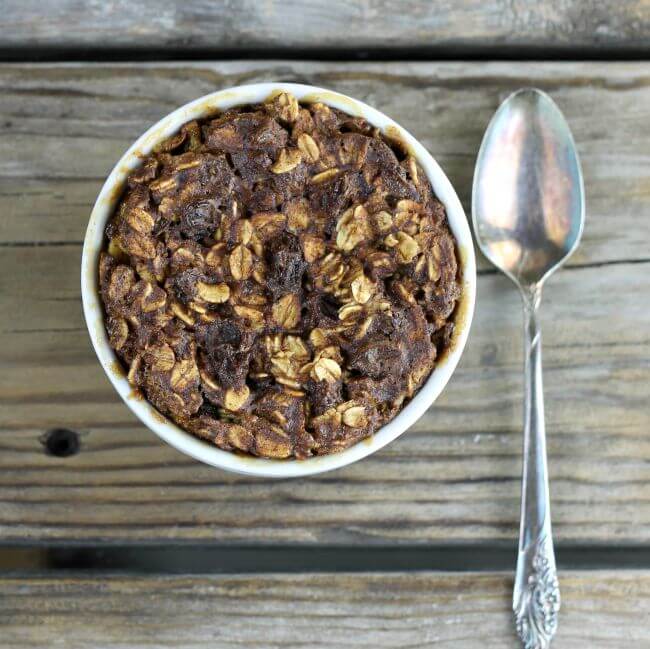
(61, 442)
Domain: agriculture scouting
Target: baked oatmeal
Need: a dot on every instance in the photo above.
(279, 279)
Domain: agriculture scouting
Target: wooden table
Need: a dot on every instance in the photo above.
(111, 538)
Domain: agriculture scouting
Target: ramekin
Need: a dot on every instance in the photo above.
(168, 430)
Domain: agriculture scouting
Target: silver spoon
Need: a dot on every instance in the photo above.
(528, 211)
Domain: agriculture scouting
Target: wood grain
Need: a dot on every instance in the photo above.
(171, 26)
(63, 127)
(465, 611)
(455, 475)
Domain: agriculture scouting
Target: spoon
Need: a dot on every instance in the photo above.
(528, 211)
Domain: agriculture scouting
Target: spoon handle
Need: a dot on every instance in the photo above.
(536, 597)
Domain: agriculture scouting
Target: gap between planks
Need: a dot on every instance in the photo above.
(196, 559)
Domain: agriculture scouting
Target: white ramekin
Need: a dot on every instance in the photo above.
(166, 429)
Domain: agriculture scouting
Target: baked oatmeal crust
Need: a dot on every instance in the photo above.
(279, 279)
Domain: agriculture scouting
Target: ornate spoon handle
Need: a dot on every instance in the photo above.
(536, 597)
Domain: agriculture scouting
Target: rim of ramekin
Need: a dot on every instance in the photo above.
(168, 430)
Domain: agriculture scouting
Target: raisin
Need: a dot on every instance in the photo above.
(286, 265)
(200, 220)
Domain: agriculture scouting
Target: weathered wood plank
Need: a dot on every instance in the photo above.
(466, 611)
(454, 476)
(171, 26)
(63, 127)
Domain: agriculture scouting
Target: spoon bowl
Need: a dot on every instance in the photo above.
(528, 195)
